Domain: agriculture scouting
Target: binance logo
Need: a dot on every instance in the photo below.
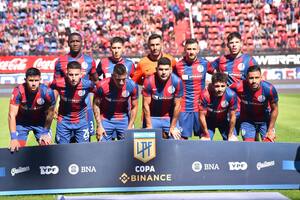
(124, 178)
(144, 146)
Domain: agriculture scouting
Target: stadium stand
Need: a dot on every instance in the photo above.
(40, 27)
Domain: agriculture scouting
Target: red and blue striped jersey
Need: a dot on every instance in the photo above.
(32, 106)
(72, 104)
(106, 67)
(255, 106)
(162, 94)
(236, 68)
(88, 65)
(217, 107)
(193, 77)
(115, 103)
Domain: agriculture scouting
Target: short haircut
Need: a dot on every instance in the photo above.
(32, 72)
(74, 34)
(164, 61)
(219, 77)
(253, 68)
(154, 36)
(234, 35)
(117, 40)
(191, 41)
(119, 69)
(74, 65)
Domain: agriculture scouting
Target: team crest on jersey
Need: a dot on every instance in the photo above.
(84, 65)
(261, 98)
(200, 68)
(81, 93)
(171, 89)
(40, 101)
(241, 66)
(125, 93)
(224, 104)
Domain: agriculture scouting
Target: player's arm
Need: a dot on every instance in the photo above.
(274, 114)
(146, 111)
(133, 112)
(202, 119)
(232, 121)
(96, 107)
(173, 130)
(45, 138)
(12, 123)
(138, 74)
(93, 73)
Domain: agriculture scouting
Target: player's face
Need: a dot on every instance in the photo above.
(164, 72)
(235, 46)
(75, 43)
(219, 88)
(254, 79)
(155, 46)
(119, 80)
(117, 50)
(33, 83)
(74, 76)
(191, 51)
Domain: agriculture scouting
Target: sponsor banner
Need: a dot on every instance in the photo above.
(19, 78)
(281, 74)
(150, 163)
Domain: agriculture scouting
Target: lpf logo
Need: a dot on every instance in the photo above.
(144, 146)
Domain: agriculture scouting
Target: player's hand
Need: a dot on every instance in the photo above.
(270, 136)
(205, 138)
(100, 132)
(233, 138)
(175, 133)
(14, 145)
(45, 139)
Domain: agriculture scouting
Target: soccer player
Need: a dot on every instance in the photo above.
(162, 94)
(115, 104)
(88, 68)
(106, 65)
(192, 71)
(72, 117)
(147, 65)
(217, 107)
(236, 63)
(259, 106)
(31, 109)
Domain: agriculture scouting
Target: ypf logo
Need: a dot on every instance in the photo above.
(48, 170)
(144, 146)
(237, 166)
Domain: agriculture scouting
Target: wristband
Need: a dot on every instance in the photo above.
(46, 131)
(13, 135)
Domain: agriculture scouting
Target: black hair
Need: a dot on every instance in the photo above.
(74, 65)
(119, 69)
(117, 40)
(164, 61)
(154, 36)
(219, 77)
(234, 35)
(32, 72)
(74, 34)
(191, 41)
(253, 68)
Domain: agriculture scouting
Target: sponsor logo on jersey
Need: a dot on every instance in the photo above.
(84, 65)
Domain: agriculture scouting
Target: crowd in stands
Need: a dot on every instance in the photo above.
(41, 27)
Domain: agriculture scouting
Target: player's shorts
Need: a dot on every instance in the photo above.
(223, 128)
(66, 130)
(189, 122)
(90, 114)
(162, 123)
(249, 129)
(113, 125)
(23, 131)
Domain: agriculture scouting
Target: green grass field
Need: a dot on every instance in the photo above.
(287, 130)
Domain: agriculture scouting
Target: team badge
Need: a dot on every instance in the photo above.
(40, 101)
(81, 93)
(171, 89)
(224, 104)
(84, 65)
(125, 93)
(241, 66)
(261, 98)
(144, 146)
(200, 68)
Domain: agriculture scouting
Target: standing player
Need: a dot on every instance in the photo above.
(217, 108)
(192, 71)
(31, 109)
(88, 68)
(147, 65)
(112, 108)
(259, 106)
(106, 65)
(236, 63)
(72, 117)
(162, 94)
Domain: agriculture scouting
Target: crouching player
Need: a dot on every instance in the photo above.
(72, 117)
(217, 106)
(162, 94)
(31, 109)
(115, 104)
(259, 106)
